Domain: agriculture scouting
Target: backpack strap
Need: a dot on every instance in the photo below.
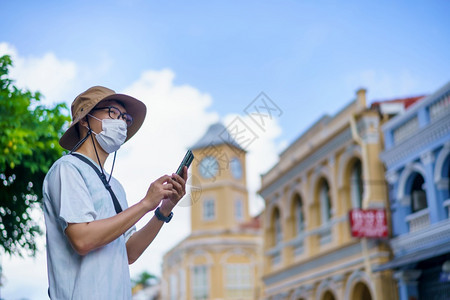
(103, 179)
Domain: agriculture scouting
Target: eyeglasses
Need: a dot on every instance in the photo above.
(115, 113)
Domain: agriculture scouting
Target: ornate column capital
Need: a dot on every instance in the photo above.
(427, 157)
(408, 277)
(338, 281)
(392, 177)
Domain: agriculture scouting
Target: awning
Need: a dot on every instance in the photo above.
(415, 257)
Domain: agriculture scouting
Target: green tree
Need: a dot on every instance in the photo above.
(145, 279)
(29, 134)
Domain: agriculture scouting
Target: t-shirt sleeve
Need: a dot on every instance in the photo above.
(124, 204)
(129, 233)
(70, 195)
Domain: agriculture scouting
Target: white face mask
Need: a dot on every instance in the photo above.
(113, 135)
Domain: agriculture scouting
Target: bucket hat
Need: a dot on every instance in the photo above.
(87, 100)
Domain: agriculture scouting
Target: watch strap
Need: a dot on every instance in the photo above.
(161, 217)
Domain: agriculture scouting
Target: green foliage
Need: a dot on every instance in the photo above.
(145, 279)
(29, 134)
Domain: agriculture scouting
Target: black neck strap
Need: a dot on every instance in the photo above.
(103, 179)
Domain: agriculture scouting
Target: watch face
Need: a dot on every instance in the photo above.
(208, 167)
(236, 168)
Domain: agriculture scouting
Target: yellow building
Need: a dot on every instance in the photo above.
(221, 257)
(309, 252)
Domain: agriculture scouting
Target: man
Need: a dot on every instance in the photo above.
(91, 237)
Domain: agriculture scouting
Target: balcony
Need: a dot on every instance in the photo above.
(408, 129)
(298, 244)
(440, 108)
(324, 232)
(421, 239)
(418, 220)
(447, 207)
(275, 254)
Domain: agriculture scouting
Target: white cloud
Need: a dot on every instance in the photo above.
(48, 74)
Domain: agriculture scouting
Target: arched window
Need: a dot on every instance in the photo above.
(200, 282)
(361, 291)
(356, 185)
(328, 296)
(418, 194)
(325, 202)
(298, 214)
(278, 238)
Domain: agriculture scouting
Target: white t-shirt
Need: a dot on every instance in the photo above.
(73, 193)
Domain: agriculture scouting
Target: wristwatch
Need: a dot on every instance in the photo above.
(161, 217)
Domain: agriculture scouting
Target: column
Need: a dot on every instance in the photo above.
(435, 207)
(338, 284)
(407, 284)
(384, 285)
(399, 211)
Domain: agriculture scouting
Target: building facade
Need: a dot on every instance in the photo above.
(221, 257)
(417, 159)
(309, 252)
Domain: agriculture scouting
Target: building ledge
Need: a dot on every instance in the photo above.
(421, 239)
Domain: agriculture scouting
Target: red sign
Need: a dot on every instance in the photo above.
(370, 223)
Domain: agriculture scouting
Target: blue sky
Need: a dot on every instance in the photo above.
(298, 52)
(195, 63)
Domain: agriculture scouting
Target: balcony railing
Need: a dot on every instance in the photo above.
(440, 107)
(418, 220)
(276, 258)
(298, 244)
(299, 248)
(275, 254)
(447, 206)
(409, 242)
(325, 236)
(406, 130)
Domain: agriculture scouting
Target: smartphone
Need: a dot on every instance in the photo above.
(187, 160)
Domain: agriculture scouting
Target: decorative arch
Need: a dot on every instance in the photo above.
(345, 161)
(355, 278)
(272, 230)
(441, 177)
(270, 209)
(294, 195)
(323, 172)
(325, 286)
(356, 182)
(299, 293)
(238, 252)
(200, 253)
(325, 201)
(405, 176)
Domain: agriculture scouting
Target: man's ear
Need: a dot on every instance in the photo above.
(83, 122)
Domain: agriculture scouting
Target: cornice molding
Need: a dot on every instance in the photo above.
(417, 143)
